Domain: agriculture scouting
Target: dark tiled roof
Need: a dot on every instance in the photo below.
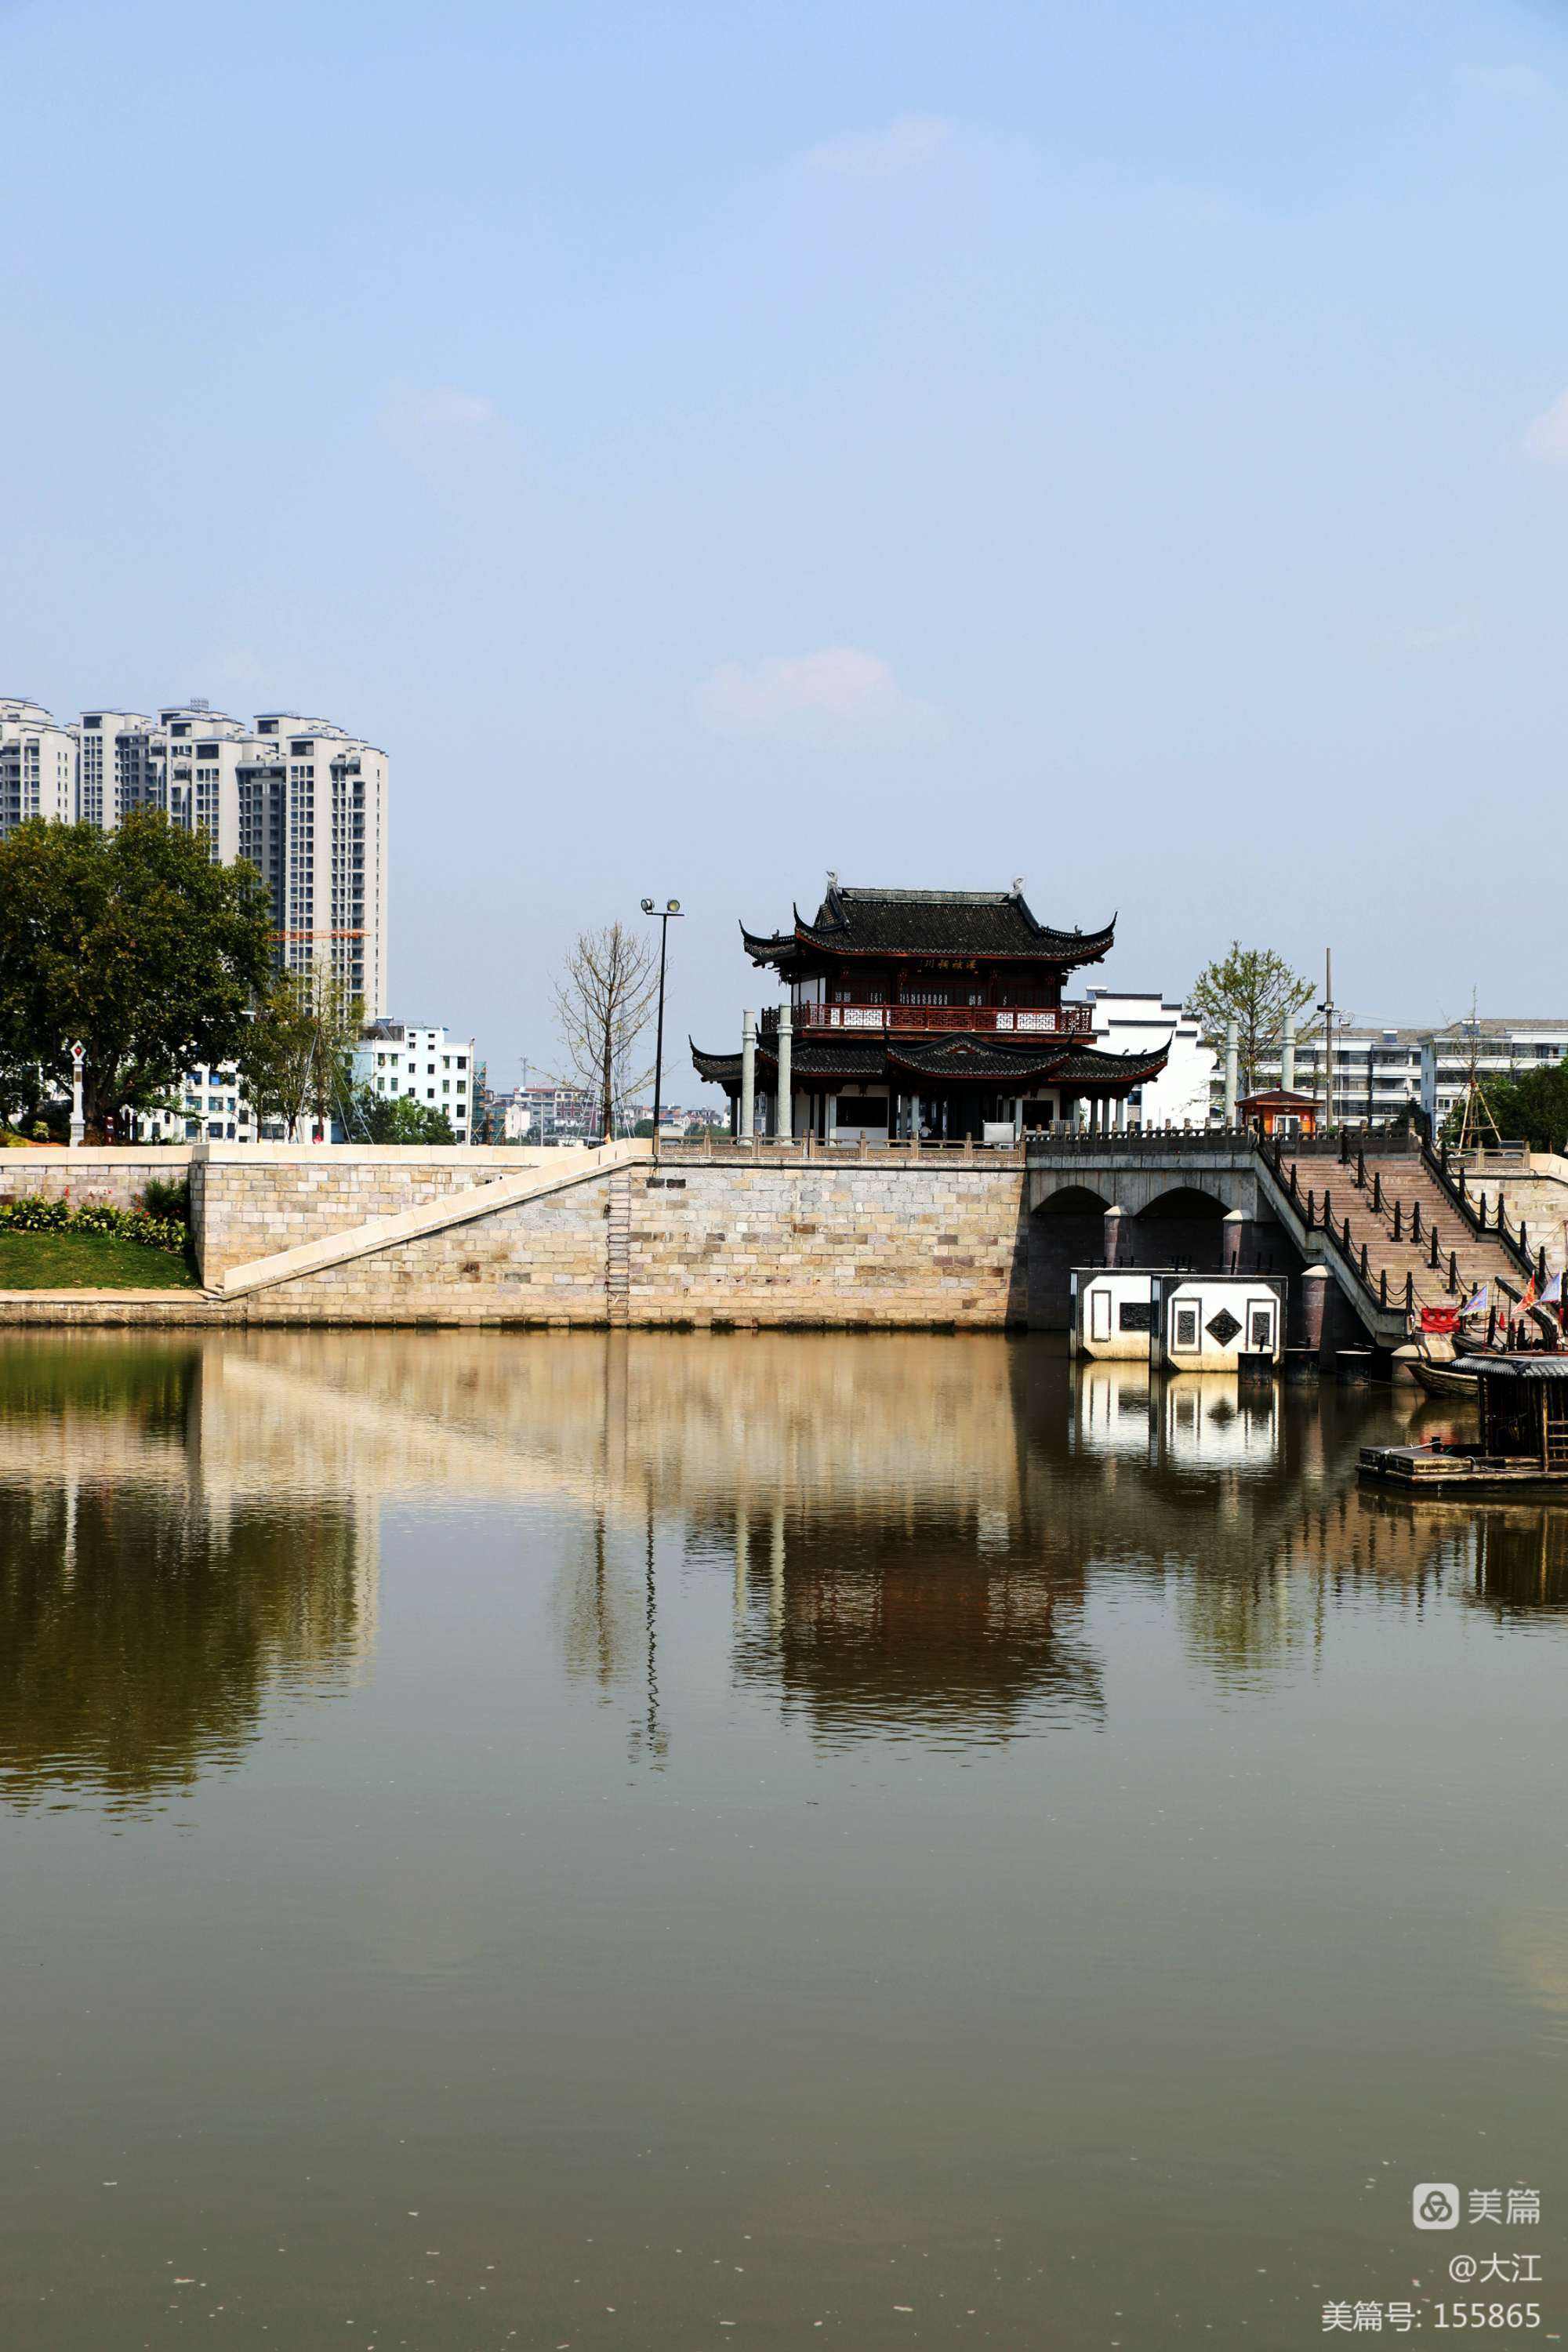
(957, 1059)
(851, 922)
(857, 1058)
(1093, 1067)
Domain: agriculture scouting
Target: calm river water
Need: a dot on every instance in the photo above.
(677, 1841)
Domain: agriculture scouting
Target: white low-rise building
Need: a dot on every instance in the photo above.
(1381, 1073)
(550, 1114)
(421, 1061)
(1141, 1022)
(1498, 1049)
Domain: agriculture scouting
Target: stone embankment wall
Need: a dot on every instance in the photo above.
(251, 1199)
(113, 1177)
(809, 1244)
(1541, 1199)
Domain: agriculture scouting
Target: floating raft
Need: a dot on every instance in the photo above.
(1523, 1404)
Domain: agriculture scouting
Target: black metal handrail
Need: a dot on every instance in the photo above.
(1319, 1217)
(1517, 1245)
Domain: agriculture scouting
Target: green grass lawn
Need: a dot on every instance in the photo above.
(88, 1261)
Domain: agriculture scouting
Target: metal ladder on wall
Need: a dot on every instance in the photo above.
(618, 1249)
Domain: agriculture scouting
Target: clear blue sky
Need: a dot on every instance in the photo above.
(1116, 441)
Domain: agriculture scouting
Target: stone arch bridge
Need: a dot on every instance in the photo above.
(1178, 1200)
(1135, 1173)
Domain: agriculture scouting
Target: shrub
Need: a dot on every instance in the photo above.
(168, 1197)
(40, 1216)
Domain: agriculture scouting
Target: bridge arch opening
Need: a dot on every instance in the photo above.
(1067, 1229)
(1074, 1201)
(1186, 1201)
(1184, 1228)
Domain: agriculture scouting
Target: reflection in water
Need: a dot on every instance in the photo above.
(917, 1529)
(953, 1628)
(900, 1834)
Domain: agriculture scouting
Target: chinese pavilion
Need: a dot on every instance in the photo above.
(929, 1012)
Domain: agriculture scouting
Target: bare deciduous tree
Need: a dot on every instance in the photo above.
(603, 1003)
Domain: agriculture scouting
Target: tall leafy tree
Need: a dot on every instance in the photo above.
(135, 943)
(337, 1016)
(298, 1052)
(276, 1052)
(1529, 1106)
(1256, 989)
(398, 1118)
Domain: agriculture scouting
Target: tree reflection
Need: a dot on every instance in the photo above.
(138, 1643)
(147, 1611)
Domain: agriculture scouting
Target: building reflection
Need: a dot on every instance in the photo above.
(879, 1627)
(911, 1533)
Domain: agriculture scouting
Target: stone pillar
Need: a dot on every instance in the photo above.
(914, 1118)
(748, 1076)
(1315, 1324)
(831, 1116)
(1114, 1222)
(784, 1120)
(1288, 1055)
(1232, 1050)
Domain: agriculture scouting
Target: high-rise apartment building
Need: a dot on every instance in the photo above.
(304, 801)
(115, 765)
(37, 764)
(311, 804)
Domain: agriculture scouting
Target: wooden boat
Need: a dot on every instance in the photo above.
(1442, 1380)
(1434, 1366)
(1523, 1442)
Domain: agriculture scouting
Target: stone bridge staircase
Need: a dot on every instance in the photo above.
(1397, 1227)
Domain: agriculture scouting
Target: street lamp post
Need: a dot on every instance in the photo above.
(671, 908)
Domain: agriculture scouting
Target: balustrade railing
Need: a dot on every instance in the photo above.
(1075, 1021)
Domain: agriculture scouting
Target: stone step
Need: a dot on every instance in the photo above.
(429, 1217)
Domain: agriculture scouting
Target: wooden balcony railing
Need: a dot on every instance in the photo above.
(915, 1020)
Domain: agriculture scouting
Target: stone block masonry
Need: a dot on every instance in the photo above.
(110, 1177)
(812, 1244)
(249, 1200)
